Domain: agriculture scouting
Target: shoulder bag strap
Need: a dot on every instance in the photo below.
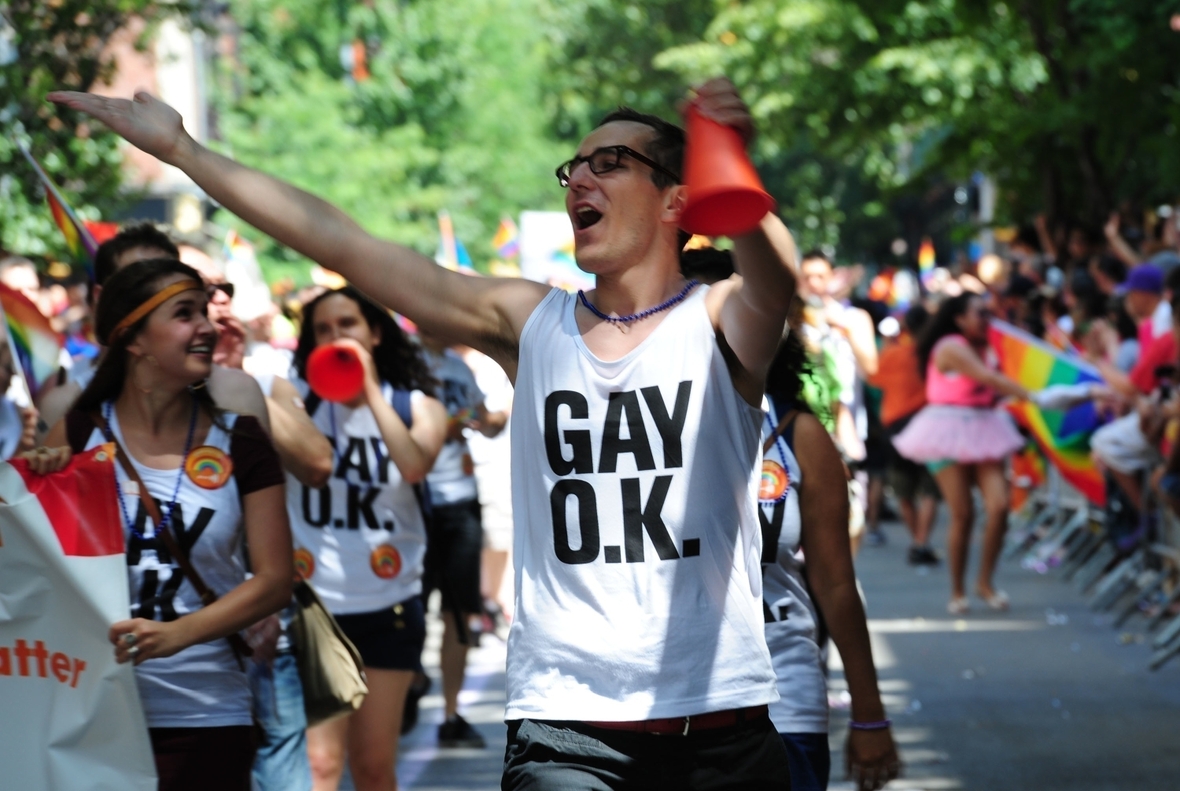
(164, 533)
(786, 421)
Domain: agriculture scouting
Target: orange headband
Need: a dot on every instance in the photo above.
(153, 302)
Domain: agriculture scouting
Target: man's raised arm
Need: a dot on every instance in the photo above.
(751, 310)
(487, 314)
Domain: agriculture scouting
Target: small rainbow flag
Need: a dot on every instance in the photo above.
(1037, 365)
(35, 344)
(1075, 463)
(926, 260)
(78, 238)
(451, 252)
(507, 240)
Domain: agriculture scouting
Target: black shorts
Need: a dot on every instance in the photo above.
(454, 542)
(573, 756)
(391, 638)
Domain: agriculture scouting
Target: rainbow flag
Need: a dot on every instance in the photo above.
(451, 252)
(35, 344)
(1036, 365)
(1075, 463)
(926, 260)
(78, 238)
(507, 240)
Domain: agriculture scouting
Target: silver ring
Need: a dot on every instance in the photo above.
(133, 650)
(128, 638)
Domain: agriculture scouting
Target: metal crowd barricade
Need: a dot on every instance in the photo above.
(1059, 531)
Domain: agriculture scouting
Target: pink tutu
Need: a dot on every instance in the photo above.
(958, 433)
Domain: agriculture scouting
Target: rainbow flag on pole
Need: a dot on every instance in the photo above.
(78, 239)
(507, 240)
(35, 344)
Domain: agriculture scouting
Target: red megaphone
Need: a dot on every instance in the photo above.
(725, 195)
(335, 373)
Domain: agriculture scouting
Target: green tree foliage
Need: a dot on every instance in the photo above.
(602, 53)
(449, 117)
(1072, 106)
(58, 44)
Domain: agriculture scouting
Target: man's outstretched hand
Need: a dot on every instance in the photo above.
(718, 99)
(146, 123)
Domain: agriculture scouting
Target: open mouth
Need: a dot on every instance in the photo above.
(585, 217)
(201, 348)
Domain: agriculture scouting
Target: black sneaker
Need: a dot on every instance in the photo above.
(457, 732)
(418, 688)
(923, 556)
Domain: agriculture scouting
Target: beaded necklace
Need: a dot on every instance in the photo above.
(782, 449)
(622, 321)
(108, 408)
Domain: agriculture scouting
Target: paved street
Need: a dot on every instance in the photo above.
(1046, 697)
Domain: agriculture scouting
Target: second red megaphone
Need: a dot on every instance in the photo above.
(725, 195)
(335, 373)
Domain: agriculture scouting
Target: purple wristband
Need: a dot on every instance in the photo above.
(870, 726)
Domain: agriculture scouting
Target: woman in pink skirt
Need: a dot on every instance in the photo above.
(963, 439)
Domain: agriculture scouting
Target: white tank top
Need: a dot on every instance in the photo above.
(634, 489)
(203, 685)
(361, 539)
(790, 616)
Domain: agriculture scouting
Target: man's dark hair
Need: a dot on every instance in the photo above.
(666, 148)
(1112, 267)
(815, 253)
(142, 234)
(915, 319)
(1172, 280)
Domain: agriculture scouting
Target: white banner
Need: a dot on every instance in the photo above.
(70, 717)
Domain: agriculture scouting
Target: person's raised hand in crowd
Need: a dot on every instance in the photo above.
(870, 758)
(44, 461)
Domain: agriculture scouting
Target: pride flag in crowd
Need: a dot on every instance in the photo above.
(1037, 365)
(926, 260)
(507, 240)
(35, 344)
(451, 252)
(78, 238)
(1074, 462)
(1063, 435)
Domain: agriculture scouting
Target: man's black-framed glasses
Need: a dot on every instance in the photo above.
(605, 159)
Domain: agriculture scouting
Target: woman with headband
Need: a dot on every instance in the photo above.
(195, 484)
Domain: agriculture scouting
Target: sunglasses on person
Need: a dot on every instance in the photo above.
(604, 160)
(226, 288)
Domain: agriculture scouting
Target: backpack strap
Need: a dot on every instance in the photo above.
(401, 403)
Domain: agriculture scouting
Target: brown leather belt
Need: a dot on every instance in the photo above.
(681, 726)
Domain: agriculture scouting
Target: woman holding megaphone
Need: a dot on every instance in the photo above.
(360, 540)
